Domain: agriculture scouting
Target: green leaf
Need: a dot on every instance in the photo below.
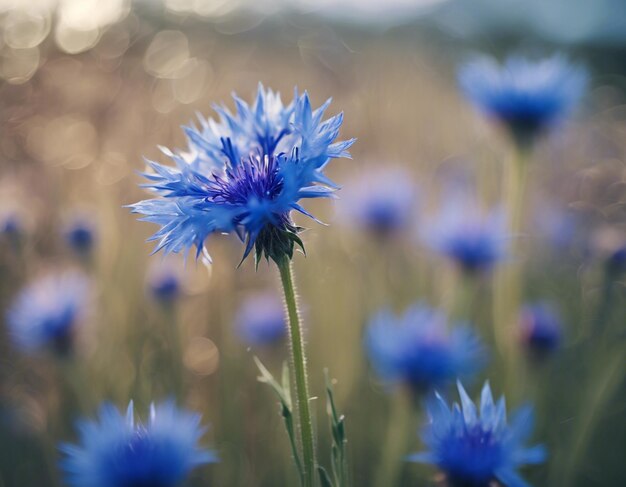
(338, 434)
(284, 395)
(324, 477)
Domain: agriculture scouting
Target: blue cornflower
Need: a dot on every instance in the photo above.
(12, 228)
(80, 235)
(474, 239)
(115, 451)
(164, 283)
(420, 350)
(381, 202)
(526, 96)
(477, 448)
(11, 225)
(616, 262)
(261, 319)
(245, 174)
(541, 327)
(47, 312)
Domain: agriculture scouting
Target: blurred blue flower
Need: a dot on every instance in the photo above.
(477, 448)
(541, 327)
(616, 262)
(419, 350)
(80, 235)
(47, 311)
(115, 451)
(164, 283)
(527, 96)
(260, 319)
(559, 228)
(11, 225)
(245, 174)
(380, 202)
(474, 239)
(12, 229)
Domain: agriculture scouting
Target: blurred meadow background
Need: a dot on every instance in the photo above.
(89, 88)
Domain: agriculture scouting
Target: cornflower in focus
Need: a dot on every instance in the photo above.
(245, 174)
(525, 96)
(381, 203)
(540, 328)
(474, 239)
(117, 451)
(261, 319)
(420, 350)
(478, 448)
(47, 312)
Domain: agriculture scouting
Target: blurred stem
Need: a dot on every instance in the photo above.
(606, 301)
(51, 457)
(175, 349)
(78, 390)
(298, 367)
(394, 447)
(466, 295)
(592, 410)
(507, 294)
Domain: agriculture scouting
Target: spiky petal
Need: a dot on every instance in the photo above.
(476, 446)
(244, 173)
(117, 451)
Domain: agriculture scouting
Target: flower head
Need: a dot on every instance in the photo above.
(475, 448)
(380, 203)
(261, 319)
(540, 327)
(46, 313)
(12, 228)
(164, 284)
(474, 239)
(526, 96)
(11, 225)
(245, 174)
(419, 350)
(80, 235)
(116, 451)
(616, 262)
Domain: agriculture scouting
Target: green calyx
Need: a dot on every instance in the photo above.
(277, 243)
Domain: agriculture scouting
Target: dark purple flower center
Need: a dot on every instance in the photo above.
(254, 179)
(470, 459)
(139, 463)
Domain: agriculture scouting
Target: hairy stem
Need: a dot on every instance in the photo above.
(298, 367)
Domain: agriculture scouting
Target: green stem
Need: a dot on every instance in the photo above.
(604, 309)
(508, 280)
(396, 440)
(591, 412)
(298, 367)
(176, 364)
